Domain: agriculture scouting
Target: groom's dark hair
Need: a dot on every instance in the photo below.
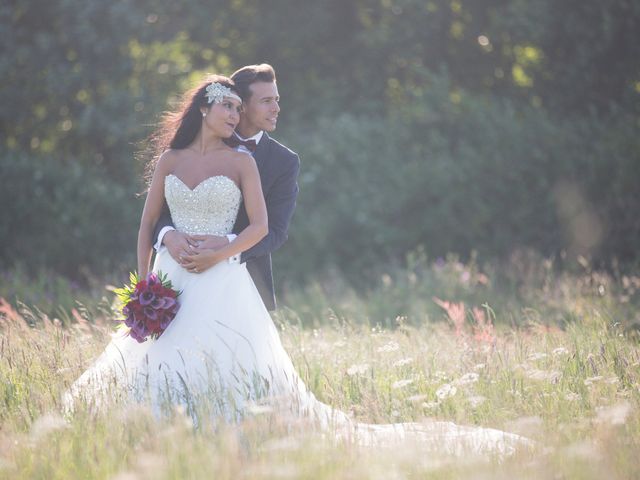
(244, 77)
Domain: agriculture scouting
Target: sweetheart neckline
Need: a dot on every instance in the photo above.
(203, 181)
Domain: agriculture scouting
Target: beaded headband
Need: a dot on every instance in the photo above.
(215, 92)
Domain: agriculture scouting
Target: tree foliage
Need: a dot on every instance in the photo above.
(456, 125)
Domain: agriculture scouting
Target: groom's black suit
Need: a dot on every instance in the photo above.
(278, 167)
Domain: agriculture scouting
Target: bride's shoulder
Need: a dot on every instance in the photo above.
(242, 158)
(169, 155)
(245, 164)
(167, 160)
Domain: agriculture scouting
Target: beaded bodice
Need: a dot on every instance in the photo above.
(209, 209)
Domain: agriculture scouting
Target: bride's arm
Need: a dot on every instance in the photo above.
(151, 213)
(254, 232)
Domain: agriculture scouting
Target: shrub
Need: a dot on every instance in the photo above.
(65, 217)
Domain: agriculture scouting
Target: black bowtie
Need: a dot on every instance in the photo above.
(233, 141)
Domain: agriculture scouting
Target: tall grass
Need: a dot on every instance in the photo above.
(573, 386)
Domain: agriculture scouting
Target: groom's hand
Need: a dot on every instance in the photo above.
(210, 242)
(178, 244)
(200, 260)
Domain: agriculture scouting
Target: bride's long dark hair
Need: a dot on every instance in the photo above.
(178, 128)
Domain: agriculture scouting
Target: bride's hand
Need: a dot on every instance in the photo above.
(178, 244)
(200, 260)
(212, 242)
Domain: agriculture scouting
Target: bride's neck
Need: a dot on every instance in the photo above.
(206, 142)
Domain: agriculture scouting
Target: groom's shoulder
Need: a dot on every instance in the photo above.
(281, 150)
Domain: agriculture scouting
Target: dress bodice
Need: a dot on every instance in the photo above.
(209, 209)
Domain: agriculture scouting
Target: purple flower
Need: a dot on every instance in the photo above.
(138, 331)
(157, 303)
(165, 321)
(149, 307)
(129, 321)
(146, 298)
(150, 313)
(136, 337)
(142, 329)
(168, 302)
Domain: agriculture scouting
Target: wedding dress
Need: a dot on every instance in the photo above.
(223, 350)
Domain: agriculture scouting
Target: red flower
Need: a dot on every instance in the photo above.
(149, 306)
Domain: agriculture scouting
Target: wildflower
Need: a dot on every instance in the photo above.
(612, 380)
(560, 351)
(483, 330)
(467, 378)
(440, 375)
(520, 367)
(403, 361)
(402, 383)
(445, 391)
(389, 347)
(417, 398)
(455, 312)
(552, 376)
(476, 400)
(537, 356)
(480, 366)
(591, 380)
(356, 369)
(430, 405)
(571, 396)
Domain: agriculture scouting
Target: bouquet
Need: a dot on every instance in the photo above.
(149, 305)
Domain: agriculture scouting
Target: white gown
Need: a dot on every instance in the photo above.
(221, 355)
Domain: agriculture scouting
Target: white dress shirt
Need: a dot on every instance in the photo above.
(230, 237)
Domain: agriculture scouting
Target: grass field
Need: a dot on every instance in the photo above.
(557, 361)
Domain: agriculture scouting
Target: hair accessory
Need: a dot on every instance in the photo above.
(215, 92)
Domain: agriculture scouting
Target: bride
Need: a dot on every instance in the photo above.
(222, 351)
(222, 354)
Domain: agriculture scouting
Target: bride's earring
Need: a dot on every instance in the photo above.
(204, 114)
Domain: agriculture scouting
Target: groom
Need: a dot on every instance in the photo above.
(278, 167)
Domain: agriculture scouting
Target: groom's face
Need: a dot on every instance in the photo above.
(260, 111)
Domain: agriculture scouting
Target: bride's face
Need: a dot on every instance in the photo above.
(222, 118)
